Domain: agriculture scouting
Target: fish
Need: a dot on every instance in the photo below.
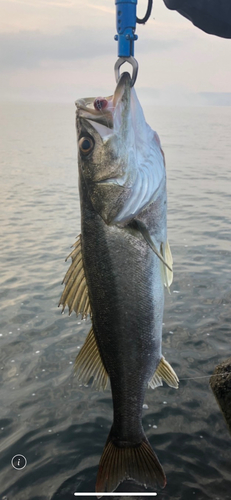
(121, 263)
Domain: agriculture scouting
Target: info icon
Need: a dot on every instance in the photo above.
(18, 462)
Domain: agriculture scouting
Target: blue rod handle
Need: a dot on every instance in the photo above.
(126, 25)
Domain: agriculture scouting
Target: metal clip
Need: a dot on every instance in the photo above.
(131, 60)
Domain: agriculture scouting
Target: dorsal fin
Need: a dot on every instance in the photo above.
(75, 293)
(89, 363)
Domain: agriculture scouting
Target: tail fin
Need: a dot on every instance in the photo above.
(138, 463)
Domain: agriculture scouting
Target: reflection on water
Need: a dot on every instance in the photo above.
(59, 425)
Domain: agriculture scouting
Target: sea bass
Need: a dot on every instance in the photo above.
(120, 264)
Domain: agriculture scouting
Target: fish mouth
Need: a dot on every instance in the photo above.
(87, 111)
(123, 89)
(107, 114)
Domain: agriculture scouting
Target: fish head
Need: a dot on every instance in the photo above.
(101, 127)
(116, 149)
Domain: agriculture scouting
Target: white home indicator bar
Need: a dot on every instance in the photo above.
(125, 494)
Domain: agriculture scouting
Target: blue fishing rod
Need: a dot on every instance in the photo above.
(126, 20)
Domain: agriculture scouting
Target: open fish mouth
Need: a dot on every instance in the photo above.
(102, 110)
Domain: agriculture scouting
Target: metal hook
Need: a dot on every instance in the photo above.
(131, 60)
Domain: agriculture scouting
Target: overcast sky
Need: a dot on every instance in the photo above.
(62, 50)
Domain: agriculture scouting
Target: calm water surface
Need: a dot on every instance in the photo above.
(58, 425)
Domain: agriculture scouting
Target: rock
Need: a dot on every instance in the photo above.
(220, 383)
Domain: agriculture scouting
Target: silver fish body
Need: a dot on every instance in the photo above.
(126, 262)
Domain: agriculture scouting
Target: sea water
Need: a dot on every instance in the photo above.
(59, 425)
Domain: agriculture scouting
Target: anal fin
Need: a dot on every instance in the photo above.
(164, 372)
(89, 363)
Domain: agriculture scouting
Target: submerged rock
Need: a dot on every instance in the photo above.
(220, 383)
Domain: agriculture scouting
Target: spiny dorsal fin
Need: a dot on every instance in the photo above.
(167, 256)
(89, 363)
(164, 372)
(75, 293)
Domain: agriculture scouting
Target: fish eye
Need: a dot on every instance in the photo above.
(86, 144)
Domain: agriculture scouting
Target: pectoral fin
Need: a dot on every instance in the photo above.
(75, 293)
(164, 372)
(89, 363)
(167, 256)
(140, 226)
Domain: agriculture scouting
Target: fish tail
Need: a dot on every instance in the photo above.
(138, 463)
